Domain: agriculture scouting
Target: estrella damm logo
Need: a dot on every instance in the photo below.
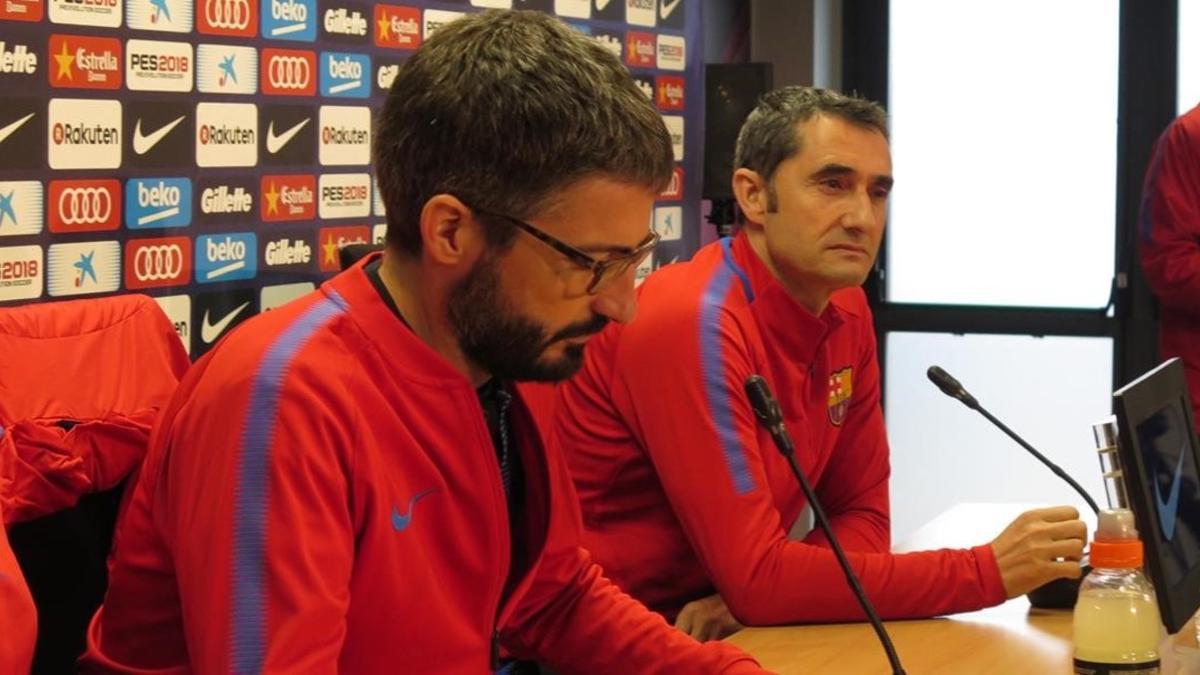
(841, 389)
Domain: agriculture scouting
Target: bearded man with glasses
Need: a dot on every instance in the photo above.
(354, 482)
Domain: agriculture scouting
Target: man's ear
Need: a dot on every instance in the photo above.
(752, 194)
(450, 232)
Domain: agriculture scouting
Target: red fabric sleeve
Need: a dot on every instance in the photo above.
(575, 620)
(1169, 229)
(46, 468)
(706, 447)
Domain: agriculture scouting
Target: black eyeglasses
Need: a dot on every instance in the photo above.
(603, 271)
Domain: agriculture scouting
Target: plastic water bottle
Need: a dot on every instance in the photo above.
(1117, 624)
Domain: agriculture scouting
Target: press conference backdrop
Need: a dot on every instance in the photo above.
(215, 154)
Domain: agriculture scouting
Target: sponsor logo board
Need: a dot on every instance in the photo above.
(345, 135)
(273, 297)
(675, 128)
(152, 65)
(226, 134)
(215, 314)
(672, 52)
(344, 21)
(289, 251)
(84, 134)
(99, 13)
(668, 222)
(332, 239)
(178, 309)
(435, 19)
(222, 69)
(158, 203)
(235, 18)
(171, 16)
(669, 92)
(86, 205)
(289, 20)
(150, 263)
(22, 10)
(398, 27)
(22, 133)
(289, 72)
(290, 135)
(22, 273)
(83, 268)
(226, 257)
(226, 200)
(159, 132)
(288, 198)
(22, 211)
(345, 75)
(84, 62)
(345, 195)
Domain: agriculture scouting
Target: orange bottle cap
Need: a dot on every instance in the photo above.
(1118, 554)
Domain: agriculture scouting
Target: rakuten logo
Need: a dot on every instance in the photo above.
(84, 134)
(397, 27)
(237, 18)
(150, 263)
(158, 66)
(345, 195)
(288, 198)
(226, 257)
(226, 134)
(92, 205)
(22, 276)
(345, 135)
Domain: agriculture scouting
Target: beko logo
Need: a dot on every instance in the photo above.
(671, 52)
(157, 262)
(21, 210)
(83, 62)
(346, 195)
(158, 202)
(100, 13)
(674, 125)
(639, 49)
(21, 274)
(83, 268)
(226, 257)
(221, 69)
(398, 27)
(288, 198)
(346, 22)
(345, 135)
(345, 75)
(84, 134)
(288, 251)
(289, 72)
(17, 59)
(158, 66)
(289, 20)
(226, 134)
(171, 16)
(228, 17)
(436, 18)
(89, 205)
(640, 12)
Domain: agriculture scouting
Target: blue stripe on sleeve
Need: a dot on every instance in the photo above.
(252, 491)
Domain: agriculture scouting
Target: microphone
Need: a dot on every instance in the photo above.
(767, 410)
(953, 389)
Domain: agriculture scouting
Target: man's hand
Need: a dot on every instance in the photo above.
(1038, 547)
(707, 619)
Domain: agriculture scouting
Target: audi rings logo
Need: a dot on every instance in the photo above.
(288, 72)
(85, 206)
(157, 262)
(230, 15)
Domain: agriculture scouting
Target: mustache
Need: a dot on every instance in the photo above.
(581, 329)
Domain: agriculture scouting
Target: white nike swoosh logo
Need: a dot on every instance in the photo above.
(667, 7)
(211, 331)
(276, 143)
(601, 4)
(143, 144)
(8, 130)
(1167, 509)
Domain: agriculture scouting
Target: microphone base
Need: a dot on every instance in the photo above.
(1058, 594)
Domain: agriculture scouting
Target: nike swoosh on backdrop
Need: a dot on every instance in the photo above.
(601, 4)
(276, 143)
(11, 128)
(667, 7)
(143, 144)
(212, 331)
(401, 521)
(1168, 509)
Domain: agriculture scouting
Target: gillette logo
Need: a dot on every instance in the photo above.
(223, 200)
(345, 22)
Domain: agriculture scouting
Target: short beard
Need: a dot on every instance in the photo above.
(506, 344)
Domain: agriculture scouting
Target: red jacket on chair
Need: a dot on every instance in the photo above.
(80, 385)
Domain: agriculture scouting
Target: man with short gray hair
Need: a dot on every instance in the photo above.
(686, 502)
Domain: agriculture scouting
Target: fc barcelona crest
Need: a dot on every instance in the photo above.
(841, 388)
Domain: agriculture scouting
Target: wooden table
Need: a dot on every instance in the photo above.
(1011, 639)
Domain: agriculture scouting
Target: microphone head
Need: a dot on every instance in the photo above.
(950, 386)
(761, 399)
